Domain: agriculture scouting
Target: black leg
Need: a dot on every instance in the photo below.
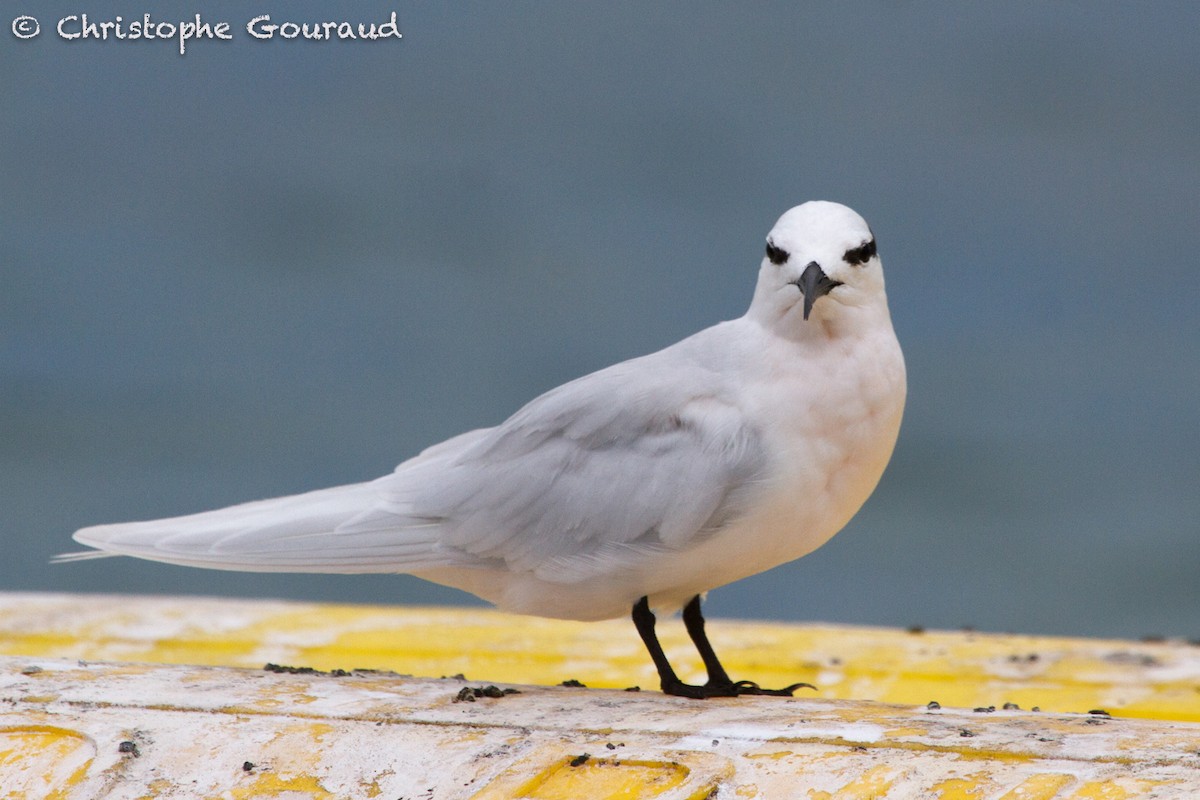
(694, 622)
(719, 683)
(643, 620)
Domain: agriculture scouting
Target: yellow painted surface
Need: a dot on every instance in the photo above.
(292, 787)
(971, 788)
(870, 784)
(964, 670)
(1102, 791)
(1044, 786)
(603, 779)
(41, 761)
(554, 772)
(108, 726)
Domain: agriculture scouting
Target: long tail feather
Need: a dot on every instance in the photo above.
(300, 533)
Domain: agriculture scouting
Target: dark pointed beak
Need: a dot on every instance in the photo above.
(814, 283)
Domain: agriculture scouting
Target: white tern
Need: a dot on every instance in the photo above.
(641, 486)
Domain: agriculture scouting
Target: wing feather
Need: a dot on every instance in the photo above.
(646, 456)
(592, 475)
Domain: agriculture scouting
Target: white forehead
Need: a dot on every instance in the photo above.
(820, 222)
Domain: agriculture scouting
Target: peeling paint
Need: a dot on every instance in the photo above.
(193, 729)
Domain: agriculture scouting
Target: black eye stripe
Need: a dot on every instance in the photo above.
(860, 255)
(777, 254)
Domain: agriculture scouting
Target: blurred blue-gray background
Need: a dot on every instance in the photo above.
(271, 266)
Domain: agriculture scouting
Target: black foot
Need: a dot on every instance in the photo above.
(719, 683)
(731, 689)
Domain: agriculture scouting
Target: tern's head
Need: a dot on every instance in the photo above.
(820, 259)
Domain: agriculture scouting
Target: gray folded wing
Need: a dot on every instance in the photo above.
(642, 457)
(586, 478)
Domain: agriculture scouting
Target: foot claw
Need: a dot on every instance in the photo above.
(795, 686)
(750, 687)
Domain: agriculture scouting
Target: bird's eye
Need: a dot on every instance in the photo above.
(860, 255)
(777, 254)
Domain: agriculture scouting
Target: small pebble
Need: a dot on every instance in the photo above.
(467, 694)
